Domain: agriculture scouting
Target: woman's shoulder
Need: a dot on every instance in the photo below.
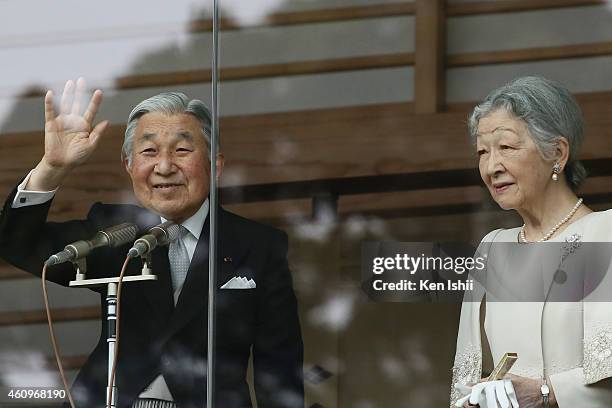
(598, 226)
(595, 226)
(502, 235)
(605, 215)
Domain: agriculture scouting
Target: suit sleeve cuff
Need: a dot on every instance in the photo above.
(25, 198)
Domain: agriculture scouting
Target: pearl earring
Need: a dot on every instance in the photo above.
(556, 170)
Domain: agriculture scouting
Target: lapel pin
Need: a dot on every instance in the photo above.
(227, 259)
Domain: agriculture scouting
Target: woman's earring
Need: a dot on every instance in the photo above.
(556, 170)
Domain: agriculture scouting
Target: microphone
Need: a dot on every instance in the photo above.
(112, 237)
(161, 234)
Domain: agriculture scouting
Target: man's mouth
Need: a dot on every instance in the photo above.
(166, 186)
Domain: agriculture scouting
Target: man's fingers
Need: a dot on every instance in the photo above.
(97, 132)
(94, 105)
(49, 110)
(78, 96)
(67, 96)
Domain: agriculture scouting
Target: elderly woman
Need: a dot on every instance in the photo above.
(527, 135)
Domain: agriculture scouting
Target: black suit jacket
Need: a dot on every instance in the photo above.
(159, 338)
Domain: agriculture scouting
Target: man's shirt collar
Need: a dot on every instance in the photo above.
(195, 223)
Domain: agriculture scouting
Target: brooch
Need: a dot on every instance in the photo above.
(572, 243)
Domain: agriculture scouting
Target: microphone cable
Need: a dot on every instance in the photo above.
(54, 341)
(52, 334)
(117, 325)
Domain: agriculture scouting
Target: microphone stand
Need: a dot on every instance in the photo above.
(111, 309)
(111, 340)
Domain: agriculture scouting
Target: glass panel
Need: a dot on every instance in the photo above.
(328, 136)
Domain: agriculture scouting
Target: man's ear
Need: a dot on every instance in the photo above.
(127, 167)
(220, 164)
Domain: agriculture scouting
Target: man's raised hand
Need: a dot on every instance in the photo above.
(70, 137)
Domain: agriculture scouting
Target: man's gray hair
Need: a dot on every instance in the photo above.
(169, 103)
(550, 112)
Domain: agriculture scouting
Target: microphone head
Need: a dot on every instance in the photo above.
(133, 252)
(173, 232)
(68, 254)
(53, 259)
(166, 232)
(161, 234)
(142, 246)
(121, 234)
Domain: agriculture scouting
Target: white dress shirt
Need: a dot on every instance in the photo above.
(158, 389)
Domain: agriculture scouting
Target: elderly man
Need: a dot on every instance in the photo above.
(164, 323)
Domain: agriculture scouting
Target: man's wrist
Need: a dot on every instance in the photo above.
(46, 177)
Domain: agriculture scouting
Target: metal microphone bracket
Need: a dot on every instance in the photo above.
(147, 267)
(81, 268)
(111, 308)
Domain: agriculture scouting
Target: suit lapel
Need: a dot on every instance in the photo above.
(195, 289)
(158, 293)
(161, 295)
(194, 295)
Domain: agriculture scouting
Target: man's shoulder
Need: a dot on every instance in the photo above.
(111, 214)
(252, 228)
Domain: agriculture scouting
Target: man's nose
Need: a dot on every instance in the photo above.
(165, 164)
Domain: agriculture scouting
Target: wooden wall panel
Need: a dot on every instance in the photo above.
(529, 29)
(513, 6)
(430, 90)
(309, 146)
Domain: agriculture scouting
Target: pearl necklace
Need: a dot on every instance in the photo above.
(553, 229)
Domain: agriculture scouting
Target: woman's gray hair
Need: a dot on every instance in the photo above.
(169, 103)
(550, 112)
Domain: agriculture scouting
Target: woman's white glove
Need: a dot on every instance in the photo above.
(488, 394)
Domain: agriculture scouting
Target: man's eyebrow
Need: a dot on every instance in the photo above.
(148, 136)
(185, 134)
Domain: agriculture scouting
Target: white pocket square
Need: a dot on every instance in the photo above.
(239, 283)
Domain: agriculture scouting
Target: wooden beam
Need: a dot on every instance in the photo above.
(282, 155)
(514, 6)
(429, 58)
(530, 54)
(10, 272)
(68, 362)
(429, 70)
(59, 315)
(423, 75)
(327, 15)
(268, 70)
